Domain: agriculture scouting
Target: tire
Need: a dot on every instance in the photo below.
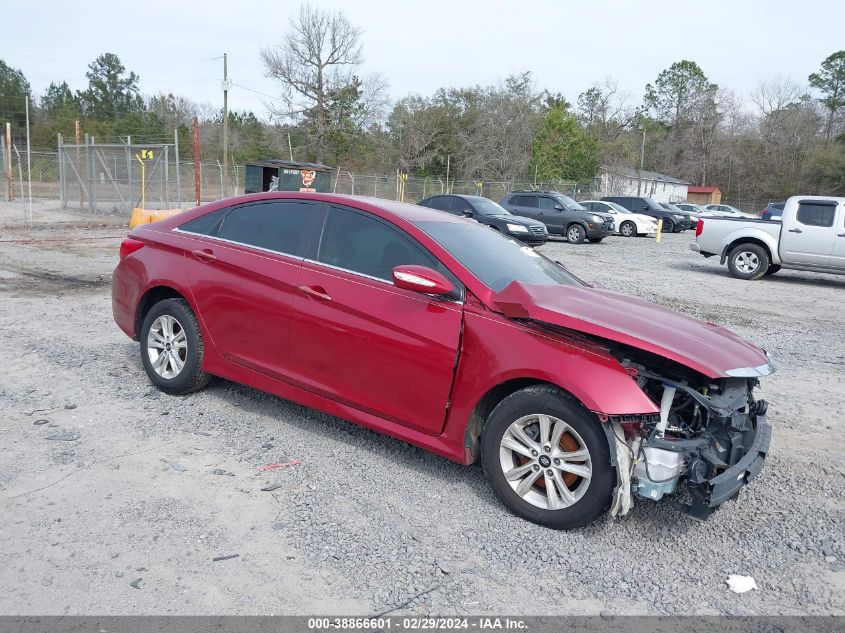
(628, 229)
(588, 497)
(773, 268)
(668, 226)
(174, 328)
(595, 240)
(575, 234)
(748, 261)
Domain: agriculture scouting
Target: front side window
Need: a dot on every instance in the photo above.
(276, 225)
(361, 244)
(485, 206)
(816, 213)
(548, 203)
(568, 203)
(441, 203)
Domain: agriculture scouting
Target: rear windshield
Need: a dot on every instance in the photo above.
(495, 259)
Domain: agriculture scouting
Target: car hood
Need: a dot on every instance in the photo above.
(517, 219)
(705, 347)
(636, 216)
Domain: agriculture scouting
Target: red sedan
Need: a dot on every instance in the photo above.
(443, 333)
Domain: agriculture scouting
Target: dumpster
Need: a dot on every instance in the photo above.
(286, 175)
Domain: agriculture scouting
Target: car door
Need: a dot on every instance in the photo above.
(807, 236)
(550, 215)
(242, 273)
(837, 255)
(526, 206)
(358, 339)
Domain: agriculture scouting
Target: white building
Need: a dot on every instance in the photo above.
(621, 181)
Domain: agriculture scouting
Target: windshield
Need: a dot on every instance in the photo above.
(494, 259)
(619, 208)
(568, 202)
(485, 206)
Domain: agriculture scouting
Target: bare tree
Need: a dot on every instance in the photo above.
(315, 64)
(774, 94)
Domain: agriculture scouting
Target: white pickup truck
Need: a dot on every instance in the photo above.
(810, 236)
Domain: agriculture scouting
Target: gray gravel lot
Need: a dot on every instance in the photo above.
(126, 488)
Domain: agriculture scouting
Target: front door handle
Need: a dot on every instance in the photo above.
(840, 235)
(317, 292)
(204, 255)
(795, 231)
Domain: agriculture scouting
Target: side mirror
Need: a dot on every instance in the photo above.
(559, 207)
(467, 213)
(421, 279)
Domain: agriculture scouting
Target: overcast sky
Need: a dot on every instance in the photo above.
(421, 46)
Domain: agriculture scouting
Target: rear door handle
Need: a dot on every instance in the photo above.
(795, 231)
(317, 292)
(204, 255)
(840, 235)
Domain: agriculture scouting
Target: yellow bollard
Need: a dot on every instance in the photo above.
(659, 229)
(145, 216)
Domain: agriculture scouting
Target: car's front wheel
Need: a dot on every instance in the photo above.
(628, 229)
(668, 226)
(575, 234)
(547, 458)
(172, 348)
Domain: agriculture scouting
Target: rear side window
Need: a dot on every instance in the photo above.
(441, 203)
(361, 244)
(525, 201)
(816, 213)
(205, 224)
(279, 226)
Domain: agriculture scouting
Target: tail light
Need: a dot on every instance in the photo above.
(129, 245)
(699, 227)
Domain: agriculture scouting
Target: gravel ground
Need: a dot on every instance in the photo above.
(113, 501)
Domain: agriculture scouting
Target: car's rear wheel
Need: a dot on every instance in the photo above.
(628, 229)
(547, 458)
(748, 261)
(575, 234)
(668, 226)
(172, 348)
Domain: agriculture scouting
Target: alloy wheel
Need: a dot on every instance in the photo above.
(747, 262)
(545, 461)
(167, 346)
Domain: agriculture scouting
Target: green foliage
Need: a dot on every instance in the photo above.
(827, 167)
(830, 81)
(562, 150)
(111, 92)
(14, 89)
(677, 91)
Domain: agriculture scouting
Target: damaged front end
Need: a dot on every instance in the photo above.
(711, 435)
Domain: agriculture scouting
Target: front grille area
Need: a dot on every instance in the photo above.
(538, 230)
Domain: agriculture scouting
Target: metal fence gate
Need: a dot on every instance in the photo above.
(114, 177)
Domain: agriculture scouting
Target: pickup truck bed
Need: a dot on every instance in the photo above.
(810, 236)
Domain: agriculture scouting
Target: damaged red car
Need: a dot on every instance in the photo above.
(443, 333)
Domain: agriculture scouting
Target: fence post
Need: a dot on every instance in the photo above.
(197, 166)
(222, 189)
(166, 176)
(178, 175)
(10, 190)
(88, 173)
(62, 200)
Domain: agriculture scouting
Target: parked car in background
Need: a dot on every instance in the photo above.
(810, 236)
(693, 218)
(626, 223)
(672, 222)
(725, 210)
(692, 209)
(561, 215)
(487, 212)
(437, 331)
(773, 211)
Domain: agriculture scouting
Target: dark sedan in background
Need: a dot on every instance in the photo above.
(487, 212)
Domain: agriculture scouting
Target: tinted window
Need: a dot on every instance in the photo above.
(205, 224)
(547, 203)
(459, 205)
(361, 244)
(495, 259)
(816, 213)
(277, 226)
(485, 206)
(526, 201)
(590, 206)
(441, 203)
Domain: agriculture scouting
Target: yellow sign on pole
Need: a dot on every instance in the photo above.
(143, 177)
(147, 154)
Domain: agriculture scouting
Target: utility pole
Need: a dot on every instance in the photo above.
(642, 157)
(197, 166)
(11, 184)
(28, 159)
(225, 109)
